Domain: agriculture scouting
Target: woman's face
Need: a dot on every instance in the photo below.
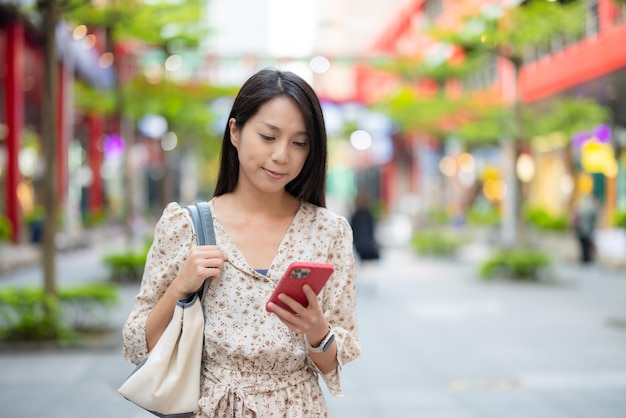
(272, 146)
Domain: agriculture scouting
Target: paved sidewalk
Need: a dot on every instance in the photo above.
(437, 342)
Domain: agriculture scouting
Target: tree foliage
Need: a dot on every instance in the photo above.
(488, 127)
(512, 33)
(412, 112)
(473, 121)
(411, 68)
(565, 114)
(170, 24)
(93, 101)
(167, 26)
(186, 108)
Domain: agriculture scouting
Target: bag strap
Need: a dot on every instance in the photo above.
(202, 222)
(205, 233)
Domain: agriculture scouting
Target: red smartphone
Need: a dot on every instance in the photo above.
(297, 275)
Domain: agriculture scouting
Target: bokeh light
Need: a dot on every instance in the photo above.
(169, 141)
(174, 63)
(106, 60)
(525, 168)
(361, 140)
(319, 64)
(447, 165)
(79, 32)
(89, 41)
(495, 190)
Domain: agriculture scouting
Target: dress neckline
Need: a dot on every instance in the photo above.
(237, 258)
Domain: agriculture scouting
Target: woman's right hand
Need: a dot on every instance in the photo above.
(202, 262)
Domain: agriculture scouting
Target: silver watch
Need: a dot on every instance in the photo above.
(324, 345)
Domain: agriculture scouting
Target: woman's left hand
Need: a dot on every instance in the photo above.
(309, 320)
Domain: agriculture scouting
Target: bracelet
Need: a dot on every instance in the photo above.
(324, 345)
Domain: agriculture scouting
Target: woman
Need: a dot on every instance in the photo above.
(268, 211)
(363, 227)
(365, 244)
(585, 219)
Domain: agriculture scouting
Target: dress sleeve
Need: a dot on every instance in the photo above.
(339, 304)
(173, 238)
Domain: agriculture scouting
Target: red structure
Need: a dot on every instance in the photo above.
(14, 110)
(21, 74)
(596, 56)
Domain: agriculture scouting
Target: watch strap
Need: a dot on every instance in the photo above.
(324, 345)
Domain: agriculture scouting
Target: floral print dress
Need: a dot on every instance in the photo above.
(253, 365)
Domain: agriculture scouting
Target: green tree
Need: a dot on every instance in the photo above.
(432, 114)
(186, 107)
(436, 114)
(510, 33)
(161, 23)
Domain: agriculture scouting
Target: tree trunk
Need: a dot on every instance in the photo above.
(514, 233)
(50, 15)
(521, 237)
(521, 231)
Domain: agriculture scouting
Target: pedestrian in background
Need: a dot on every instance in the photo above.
(268, 210)
(366, 247)
(585, 220)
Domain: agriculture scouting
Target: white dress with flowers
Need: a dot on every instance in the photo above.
(253, 365)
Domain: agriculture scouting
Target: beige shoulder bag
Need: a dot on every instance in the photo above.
(167, 381)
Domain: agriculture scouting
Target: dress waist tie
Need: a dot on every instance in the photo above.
(230, 393)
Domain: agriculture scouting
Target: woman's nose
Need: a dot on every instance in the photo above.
(281, 151)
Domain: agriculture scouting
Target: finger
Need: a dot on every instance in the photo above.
(213, 262)
(295, 306)
(209, 251)
(293, 322)
(311, 297)
(291, 315)
(202, 268)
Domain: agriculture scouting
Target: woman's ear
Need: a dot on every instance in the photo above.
(234, 132)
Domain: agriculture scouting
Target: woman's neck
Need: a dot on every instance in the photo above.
(272, 204)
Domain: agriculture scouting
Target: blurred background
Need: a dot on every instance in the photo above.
(492, 131)
(465, 113)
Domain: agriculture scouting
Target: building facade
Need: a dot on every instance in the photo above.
(592, 66)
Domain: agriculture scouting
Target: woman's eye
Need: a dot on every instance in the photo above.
(300, 144)
(266, 137)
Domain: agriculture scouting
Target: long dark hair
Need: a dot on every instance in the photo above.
(261, 87)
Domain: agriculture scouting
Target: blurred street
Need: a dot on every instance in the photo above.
(461, 127)
(437, 343)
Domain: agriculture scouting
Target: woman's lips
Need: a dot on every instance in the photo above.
(273, 174)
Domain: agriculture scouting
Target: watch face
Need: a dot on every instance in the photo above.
(328, 343)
